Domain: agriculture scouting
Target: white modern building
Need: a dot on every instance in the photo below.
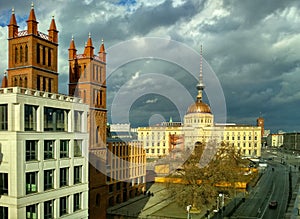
(44, 148)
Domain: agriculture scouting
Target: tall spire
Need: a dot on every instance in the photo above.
(102, 53)
(89, 49)
(12, 27)
(200, 85)
(32, 27)
(72, 49)
(53, 32)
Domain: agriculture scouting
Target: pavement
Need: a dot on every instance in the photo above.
(156, 206)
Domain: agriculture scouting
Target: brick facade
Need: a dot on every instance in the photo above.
(32, 56)
(87, 80)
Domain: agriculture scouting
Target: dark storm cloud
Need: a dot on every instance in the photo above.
(147, 18)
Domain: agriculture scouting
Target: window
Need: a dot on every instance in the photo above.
(64, 148)
(3, 183)
(48, 179)
(31, 211)
(30, 118)
(77, 148)
(21, 54)
(38, 53)
(77, 121)
(48, 209)
(48, 149)
(64, 174)
(77, 174)
(26, 53)
(55, 119)
(31, 182)
(77, 202)
(63, 206)
(98, 199)
(3, 212)
(49, 56)
(16, 54)
(3, 117)
(31, 150)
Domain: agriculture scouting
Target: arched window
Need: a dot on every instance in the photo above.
(15, 82)
(21, 54)
(25, 82)
(84, 96)
(49, 56)
(26, 53)
(16, 55)
(44, 55)
(20, 82)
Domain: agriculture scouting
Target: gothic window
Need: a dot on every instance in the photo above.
(21, 54)
(16, 55)
(44, 55)
(84, 96)
(38, 55)
(3, 117)
(49, 56)
(15, 82)
(25, 82)
(26, 53)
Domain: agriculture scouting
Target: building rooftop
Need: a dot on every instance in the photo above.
(37, 93)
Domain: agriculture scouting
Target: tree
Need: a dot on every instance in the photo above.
(205, 173)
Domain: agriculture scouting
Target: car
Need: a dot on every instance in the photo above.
(273, 204)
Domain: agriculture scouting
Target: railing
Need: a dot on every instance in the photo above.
(25, 33)
(37, 93)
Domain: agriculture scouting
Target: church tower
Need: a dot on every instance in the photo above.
(87, 80)
(32, 55)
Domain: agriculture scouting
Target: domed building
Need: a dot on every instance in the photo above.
(199, 126)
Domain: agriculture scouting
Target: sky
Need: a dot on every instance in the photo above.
(251, 55)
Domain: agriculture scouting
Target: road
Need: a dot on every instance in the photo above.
(273, 185)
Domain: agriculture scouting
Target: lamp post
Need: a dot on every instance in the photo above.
(188, 208)
(221, 196)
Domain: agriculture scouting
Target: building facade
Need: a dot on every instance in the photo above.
(87, 80)
(291, 141)
(43, 134)
(126, 170)
(275, 140)
(44, 167)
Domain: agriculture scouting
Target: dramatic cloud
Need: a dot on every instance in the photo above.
(252, 46)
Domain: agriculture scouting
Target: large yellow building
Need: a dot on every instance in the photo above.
(199, 126)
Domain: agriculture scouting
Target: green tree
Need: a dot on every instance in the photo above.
(204, 170)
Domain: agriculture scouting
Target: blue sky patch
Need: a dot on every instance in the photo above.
(127, 2)
(5, 18)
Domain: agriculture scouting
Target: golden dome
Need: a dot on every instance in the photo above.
(199, 107)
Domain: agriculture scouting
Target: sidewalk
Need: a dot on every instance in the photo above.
(157, 206)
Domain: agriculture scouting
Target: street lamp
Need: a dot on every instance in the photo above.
(188, 208)
(221, 196)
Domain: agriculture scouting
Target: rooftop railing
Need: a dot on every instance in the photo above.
(37, 93)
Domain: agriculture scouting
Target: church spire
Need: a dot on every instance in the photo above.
(72, 49)
(13, 26)
(89, 49)
(32, 24)
(53, 32)
(200, 85)
(102, 53)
